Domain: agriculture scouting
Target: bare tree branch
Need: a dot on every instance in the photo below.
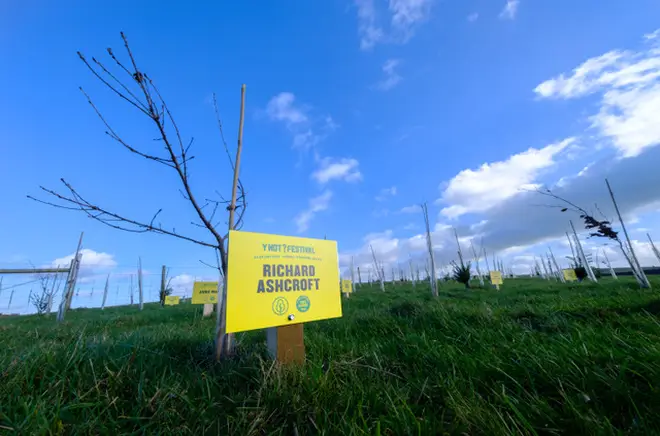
(151, 103)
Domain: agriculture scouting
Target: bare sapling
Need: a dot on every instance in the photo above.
(136, 88)
(42, 300)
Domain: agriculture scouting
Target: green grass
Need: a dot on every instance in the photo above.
(535, 358)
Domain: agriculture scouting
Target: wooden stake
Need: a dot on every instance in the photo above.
(429, 245)
(609, 265)
(476, 263)
(140, 295)
(105, 292)
(644, 281)
(223, 341)
(585, 263)
(163, 273)
(287, 343)
(67, 295)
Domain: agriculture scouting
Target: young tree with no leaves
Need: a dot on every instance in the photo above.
(134, 87)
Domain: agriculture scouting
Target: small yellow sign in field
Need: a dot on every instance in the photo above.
(279, 280)
(496, 278)
(569, 275)
(346, 286)
(205, 293)
(172, 300)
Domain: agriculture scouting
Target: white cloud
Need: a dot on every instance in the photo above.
(481, 189)
(337, 169)
(411, 209)
(510, 10)
(630, 86)
(283, 107)
(90, 260)
(392, 78)
(473, 17)
(410, 226)
(370, 32)
(316, 204)
(404, 17)
(305, 130)
(386, 193)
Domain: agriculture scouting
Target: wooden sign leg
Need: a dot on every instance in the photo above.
(287, 343)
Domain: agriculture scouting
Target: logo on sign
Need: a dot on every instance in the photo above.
(280, 306)
(302, 304)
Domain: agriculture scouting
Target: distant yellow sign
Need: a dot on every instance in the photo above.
(569, 275)
(172, 300)
(346, 286)
(277, 280)
(205, 293)
(496, 278)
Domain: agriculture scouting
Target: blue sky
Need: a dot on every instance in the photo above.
(356, 111)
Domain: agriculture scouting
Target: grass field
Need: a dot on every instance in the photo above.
(534, 358)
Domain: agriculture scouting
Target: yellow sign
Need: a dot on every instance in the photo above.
(346, 286)
(279, 280)
(171, 300)
(569, 275)
(496, 278)
(205, 293)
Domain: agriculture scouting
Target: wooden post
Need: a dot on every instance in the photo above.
(353, 285)
(359, 275)
(380, 271)
(67, 295)
(412, 274)
(76, 267)
(560, 274)
(223, 341)
(476, 263)
(162, 285)
(643, 280)
(105, 292)
(655, 250)
(286, 344)
(429, 245)
(140, 294)
(609, 265)
(131, 289)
